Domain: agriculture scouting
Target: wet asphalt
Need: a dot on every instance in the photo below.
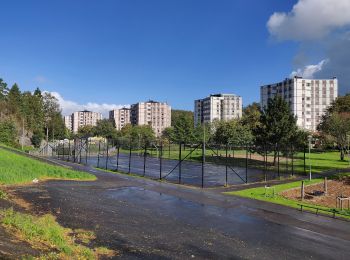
(186, 172)
(146, 219)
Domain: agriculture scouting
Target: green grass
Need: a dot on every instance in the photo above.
(320, 161)
(18, 169)
(259, 194)
(46, 234)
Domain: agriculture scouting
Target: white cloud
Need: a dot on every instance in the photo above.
(309, 71)
(68, 106)
(310, 19)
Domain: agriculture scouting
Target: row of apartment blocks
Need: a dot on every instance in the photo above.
(308, 99)
(152, 113)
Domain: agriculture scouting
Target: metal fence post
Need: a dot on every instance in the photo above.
(63, 151)
(292, 160)
(203, 162)
(180, 161)
(129, 157)
(287, 160)
(107, 154)
(81, 143)
(169, 150)
(304, 159)
(246, 165)
(160, 160)
(86, 150)
(98, 155)
(226, 162)
(265, 163)
(233, 156)
(118, 157)
(68, 159)
(144, 160)
(278, 160)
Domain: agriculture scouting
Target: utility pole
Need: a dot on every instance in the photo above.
(22, 141)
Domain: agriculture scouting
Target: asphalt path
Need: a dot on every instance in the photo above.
(143, 218)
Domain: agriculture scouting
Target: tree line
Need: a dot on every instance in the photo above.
(28, 117)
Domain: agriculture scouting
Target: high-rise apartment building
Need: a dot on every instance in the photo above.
(120, 116)
(308, 99)
(83, 118)
(152, 113)
(217, 107)
(68, 122)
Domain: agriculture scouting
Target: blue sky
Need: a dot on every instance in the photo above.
(122, 52)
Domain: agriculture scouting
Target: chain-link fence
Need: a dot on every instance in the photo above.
(198, 164)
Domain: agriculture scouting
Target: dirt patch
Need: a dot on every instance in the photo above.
(314, 194)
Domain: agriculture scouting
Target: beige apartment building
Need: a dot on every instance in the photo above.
(308, 99)
(68, 122)
(152, 113)
(81, 118)
(120, 116)
(217, 107)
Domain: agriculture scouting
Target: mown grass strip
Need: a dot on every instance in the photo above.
(259, 194)
(18, 169)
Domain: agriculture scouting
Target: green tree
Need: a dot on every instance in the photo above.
(277, 126)
(105, 128)
(3, 90)
(182, 130)
(232, 132)
(8, 132)
(14, 100)
(86, 131)
(251, 115)
(177, 115)
(336, 123)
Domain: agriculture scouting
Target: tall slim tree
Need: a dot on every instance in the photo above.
(277, 126)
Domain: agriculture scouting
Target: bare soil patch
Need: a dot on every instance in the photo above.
(314, 194)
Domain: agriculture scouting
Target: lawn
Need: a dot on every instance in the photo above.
(320, 161)
(259, 194)
(18, 169)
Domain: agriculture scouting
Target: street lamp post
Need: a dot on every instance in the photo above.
(310, 139)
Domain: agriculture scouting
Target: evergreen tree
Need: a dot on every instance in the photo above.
(277, 126)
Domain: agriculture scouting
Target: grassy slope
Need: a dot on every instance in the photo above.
(16, 169)
(45, 233)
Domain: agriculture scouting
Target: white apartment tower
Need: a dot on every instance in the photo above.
(217, 107)
(68, 122)
(308, 99)
(152, 113)
(120, 116)
(83, 118)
